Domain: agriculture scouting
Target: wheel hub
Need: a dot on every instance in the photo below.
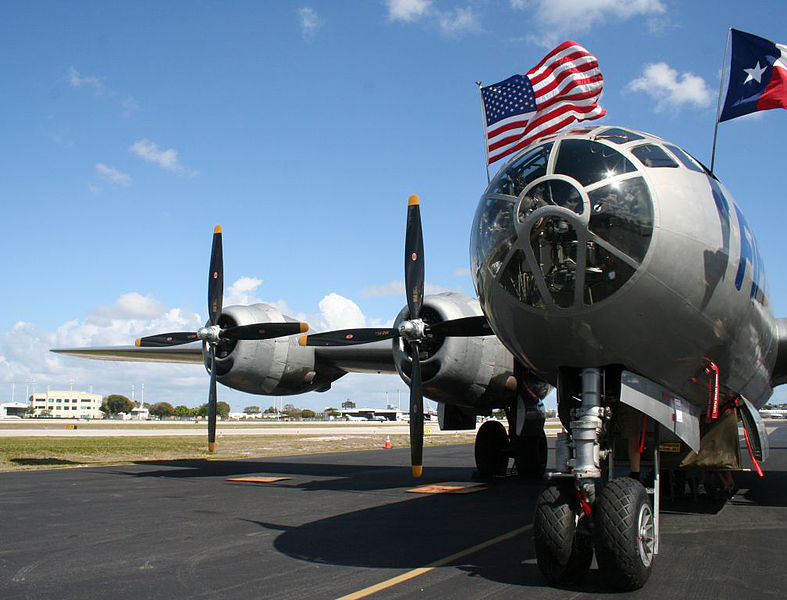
(645, 537)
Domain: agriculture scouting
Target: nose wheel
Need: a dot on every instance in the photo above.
(564, 546)
(624, 537)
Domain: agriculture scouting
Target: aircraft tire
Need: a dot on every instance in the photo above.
(531, 458)
(491, 443)
(624, 534)
(564, 550)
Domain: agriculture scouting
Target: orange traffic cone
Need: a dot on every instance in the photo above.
(388, 444)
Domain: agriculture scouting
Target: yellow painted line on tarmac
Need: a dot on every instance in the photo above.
(257, 479)
(389, 583)
(465, 488)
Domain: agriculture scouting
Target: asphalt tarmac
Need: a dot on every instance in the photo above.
(344, 522)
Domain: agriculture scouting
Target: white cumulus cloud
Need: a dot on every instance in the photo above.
(557, 19)
(77, 80)
(309, 21)
(671, 89)
(338, 312)
(243, 291)
(408, 10)
(457, 21)
(113, 175)
(166, 159)
(131, 306)
(450, 23)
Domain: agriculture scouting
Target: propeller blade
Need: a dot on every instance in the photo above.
(414, 259)
(348, 337)
(464, 327)
(263, 331)
(416, 414)
(166, 339)
(212, 402)
(216, 278)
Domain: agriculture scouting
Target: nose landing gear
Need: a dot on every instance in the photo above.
(572, 519)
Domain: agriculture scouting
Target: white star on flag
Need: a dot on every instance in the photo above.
(754, 73)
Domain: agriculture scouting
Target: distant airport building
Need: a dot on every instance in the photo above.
(13, 410)
(379, 414)
(139, 413)
(68, 404)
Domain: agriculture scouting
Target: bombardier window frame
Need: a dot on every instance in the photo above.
(495, 186)
(672, 164)
(685, 158)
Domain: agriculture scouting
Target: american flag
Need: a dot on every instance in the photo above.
(564, 87)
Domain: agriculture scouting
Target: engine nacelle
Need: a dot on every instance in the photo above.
(470, 372)
(275, 367)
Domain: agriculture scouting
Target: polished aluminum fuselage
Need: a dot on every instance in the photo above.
(690, 302)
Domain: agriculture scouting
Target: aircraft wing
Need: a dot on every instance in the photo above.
(369, 358)
(187, 353)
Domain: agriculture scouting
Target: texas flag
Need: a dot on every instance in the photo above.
(758, 76)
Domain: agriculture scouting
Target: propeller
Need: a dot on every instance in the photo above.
(213, 334)
(413, 330)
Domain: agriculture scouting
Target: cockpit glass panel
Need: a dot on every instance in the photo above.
(653, 156)
(493, 231)
(518, 280)
(604, 273)
(589, 162)
(618, 135)
(622, 214)
(554, 192)
(554, 242)
(516, 176)
(687, 160)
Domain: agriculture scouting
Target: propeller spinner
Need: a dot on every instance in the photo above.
(213, 334)
(413, 330)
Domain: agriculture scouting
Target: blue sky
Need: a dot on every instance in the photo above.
(132, 128)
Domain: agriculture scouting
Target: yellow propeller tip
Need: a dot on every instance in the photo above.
(217, 229)
(418, 470)
(302, 340)
(138, 342)
(412, 200)
(304, 327)
(211, 446)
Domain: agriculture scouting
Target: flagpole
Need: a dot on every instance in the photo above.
(718, 103)
(483, 123)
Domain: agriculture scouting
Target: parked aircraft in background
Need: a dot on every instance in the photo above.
(609, 264)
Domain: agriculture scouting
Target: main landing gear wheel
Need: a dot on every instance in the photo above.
(531, 457)
(564, 547)
(624, 534)
(491, 444)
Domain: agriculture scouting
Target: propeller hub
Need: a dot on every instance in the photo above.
(210, 334)
(413, 330)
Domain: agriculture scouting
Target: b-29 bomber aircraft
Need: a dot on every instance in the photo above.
(610, 265)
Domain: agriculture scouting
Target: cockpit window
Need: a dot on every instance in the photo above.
(653, 156)
(528, 167)
(622, 214)
(493, 231)
(618, 135)
(554, 192)
(589, 162)
(687, 160)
